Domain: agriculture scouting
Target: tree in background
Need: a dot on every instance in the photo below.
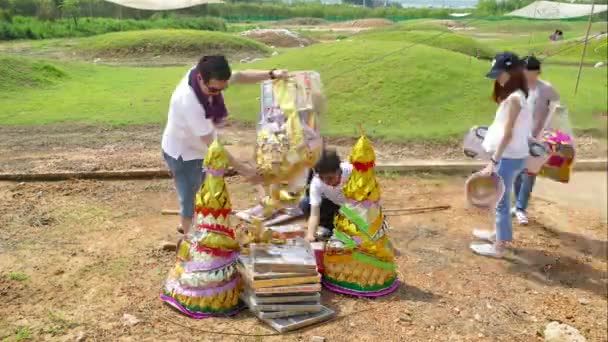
(71, 8)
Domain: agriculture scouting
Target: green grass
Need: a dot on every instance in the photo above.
(18, 276)
(532, 37)
(17, 73)
(420, 93)
(440, 39)
(168, 42)
(22, 334)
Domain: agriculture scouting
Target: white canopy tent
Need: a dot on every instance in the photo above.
(557, 10)
(162, 5)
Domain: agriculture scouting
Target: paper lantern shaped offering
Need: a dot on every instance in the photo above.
(472, 143)
(288, 141)
(358, 258)
(559, 139)
(484, 191)
(205, 281)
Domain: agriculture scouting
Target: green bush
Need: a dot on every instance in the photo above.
(31, 28)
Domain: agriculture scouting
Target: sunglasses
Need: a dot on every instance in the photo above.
(212, 90)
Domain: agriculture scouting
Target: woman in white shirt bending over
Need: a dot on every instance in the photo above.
(507, 141)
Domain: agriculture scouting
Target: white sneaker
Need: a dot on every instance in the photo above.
(484, 235)
(522, 218)
(489, 250)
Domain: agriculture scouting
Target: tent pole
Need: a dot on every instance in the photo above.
(580, 66)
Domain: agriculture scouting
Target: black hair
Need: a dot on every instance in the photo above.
(214, 68)
(328, 163)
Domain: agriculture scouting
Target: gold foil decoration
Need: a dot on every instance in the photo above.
(362, 186)
(288, 140)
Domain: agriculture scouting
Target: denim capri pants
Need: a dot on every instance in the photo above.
(188, 176)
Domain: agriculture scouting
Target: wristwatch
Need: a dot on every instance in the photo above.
(271, 74)
(493, 161)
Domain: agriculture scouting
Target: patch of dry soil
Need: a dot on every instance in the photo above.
(76, 256)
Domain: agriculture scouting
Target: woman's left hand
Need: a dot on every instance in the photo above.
(280, 74)
(488, 170)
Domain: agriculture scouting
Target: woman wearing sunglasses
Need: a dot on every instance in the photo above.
(196, 110)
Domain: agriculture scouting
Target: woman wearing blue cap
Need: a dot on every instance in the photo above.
(507, 141)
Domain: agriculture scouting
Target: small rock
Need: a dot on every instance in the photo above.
(480, 335)
(457, 310)
(169, 246)
(129, 320)
(274, 53)
(59, 272)
(488, 306)
(583, 301)
(81, 337)
(352, 325)
(478, 317)
(39, 194)
(405, 318)
(317, 339)
(556, 332)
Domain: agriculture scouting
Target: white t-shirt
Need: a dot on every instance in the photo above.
(186, 124)
(318, 189)
(518, 147)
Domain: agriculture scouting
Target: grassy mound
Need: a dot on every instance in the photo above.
(156, 42)
(568, 51)
(302, 22)
(18, 73)
(416, 25)
(440, 39)
(421, 93)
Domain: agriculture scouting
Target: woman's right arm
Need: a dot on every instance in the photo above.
(514, 109)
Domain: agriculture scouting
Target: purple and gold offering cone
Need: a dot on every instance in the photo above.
(359, 259)
(205, 281)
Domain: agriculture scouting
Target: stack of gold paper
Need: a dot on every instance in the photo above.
(282, 285)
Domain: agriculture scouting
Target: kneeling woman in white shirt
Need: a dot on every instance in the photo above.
(507, 141)
(197, 108)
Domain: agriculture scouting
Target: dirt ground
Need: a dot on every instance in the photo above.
(71, 147)
(76, 256)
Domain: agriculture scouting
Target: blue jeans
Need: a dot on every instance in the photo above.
(508, 169)
(188, 176)
(524, 183)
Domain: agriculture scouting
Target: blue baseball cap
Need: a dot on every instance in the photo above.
(503, 62)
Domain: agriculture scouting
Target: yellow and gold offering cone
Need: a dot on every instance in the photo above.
(366, 268)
